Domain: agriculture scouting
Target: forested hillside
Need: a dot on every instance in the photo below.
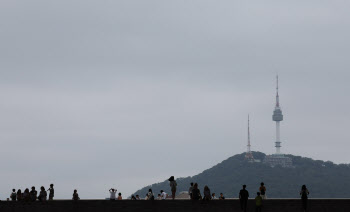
(324, 179)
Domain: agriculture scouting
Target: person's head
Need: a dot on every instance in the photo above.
(51, 185)
(244, 186)
(42, 188)
(27, 190)
(171, 178)
(19, 191)
(158, 195)
(119, 194)
(262, 184)
(13, 190)
(33, 188)
(161, 191)
(258, 193)
(112, 189)
(191, 184)
(75, 191)
(150, 190)
(303, 187)
(206, 188)
(137, 196)
(195, 186)
(213, 194)
(221, 194)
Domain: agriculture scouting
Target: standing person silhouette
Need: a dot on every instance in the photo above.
(262, 190)
(304, 196)
(51, 192)
(173, 185)
(258, 202)
(112, 194)
(190, 190)
(243, 197)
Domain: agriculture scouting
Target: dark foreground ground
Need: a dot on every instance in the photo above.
(273, 205)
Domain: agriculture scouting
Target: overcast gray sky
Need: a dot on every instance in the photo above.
(101, 94)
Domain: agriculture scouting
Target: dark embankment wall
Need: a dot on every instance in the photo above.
(282, 205)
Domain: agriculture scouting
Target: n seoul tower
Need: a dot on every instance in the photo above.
(277, 117)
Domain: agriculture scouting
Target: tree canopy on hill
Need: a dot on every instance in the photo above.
(323, 179)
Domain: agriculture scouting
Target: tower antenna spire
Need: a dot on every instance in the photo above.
(249, 155)
(277, 95)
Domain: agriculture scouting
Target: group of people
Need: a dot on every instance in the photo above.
(195, 193)
(261, 195)
(113, 193)
(32, 195)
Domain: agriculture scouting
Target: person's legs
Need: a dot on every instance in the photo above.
(241, 203)
(173, 194)
(304, 201)
(245, 205)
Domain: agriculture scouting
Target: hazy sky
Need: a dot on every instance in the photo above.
(101, 94)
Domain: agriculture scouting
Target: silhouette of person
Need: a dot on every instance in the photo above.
(163, 195)
(112, 193)
(196, 194)
(190, 190)
(51, 192)
(42, 195)
(262, 190)
(19, 195)
(173, 185)
(33, 194)
(75, 195)
(304, 196)
(206, 193)
(133, 197)
(13, 195)
(150, 194)
(120, 196)
(243, 197)
(258, 202)
(26, 195)
(222, 196)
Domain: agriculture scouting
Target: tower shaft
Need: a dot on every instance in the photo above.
(278, 142)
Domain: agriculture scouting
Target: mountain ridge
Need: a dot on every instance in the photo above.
(323, 178)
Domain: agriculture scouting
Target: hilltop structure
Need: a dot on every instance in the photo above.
(278, 158)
